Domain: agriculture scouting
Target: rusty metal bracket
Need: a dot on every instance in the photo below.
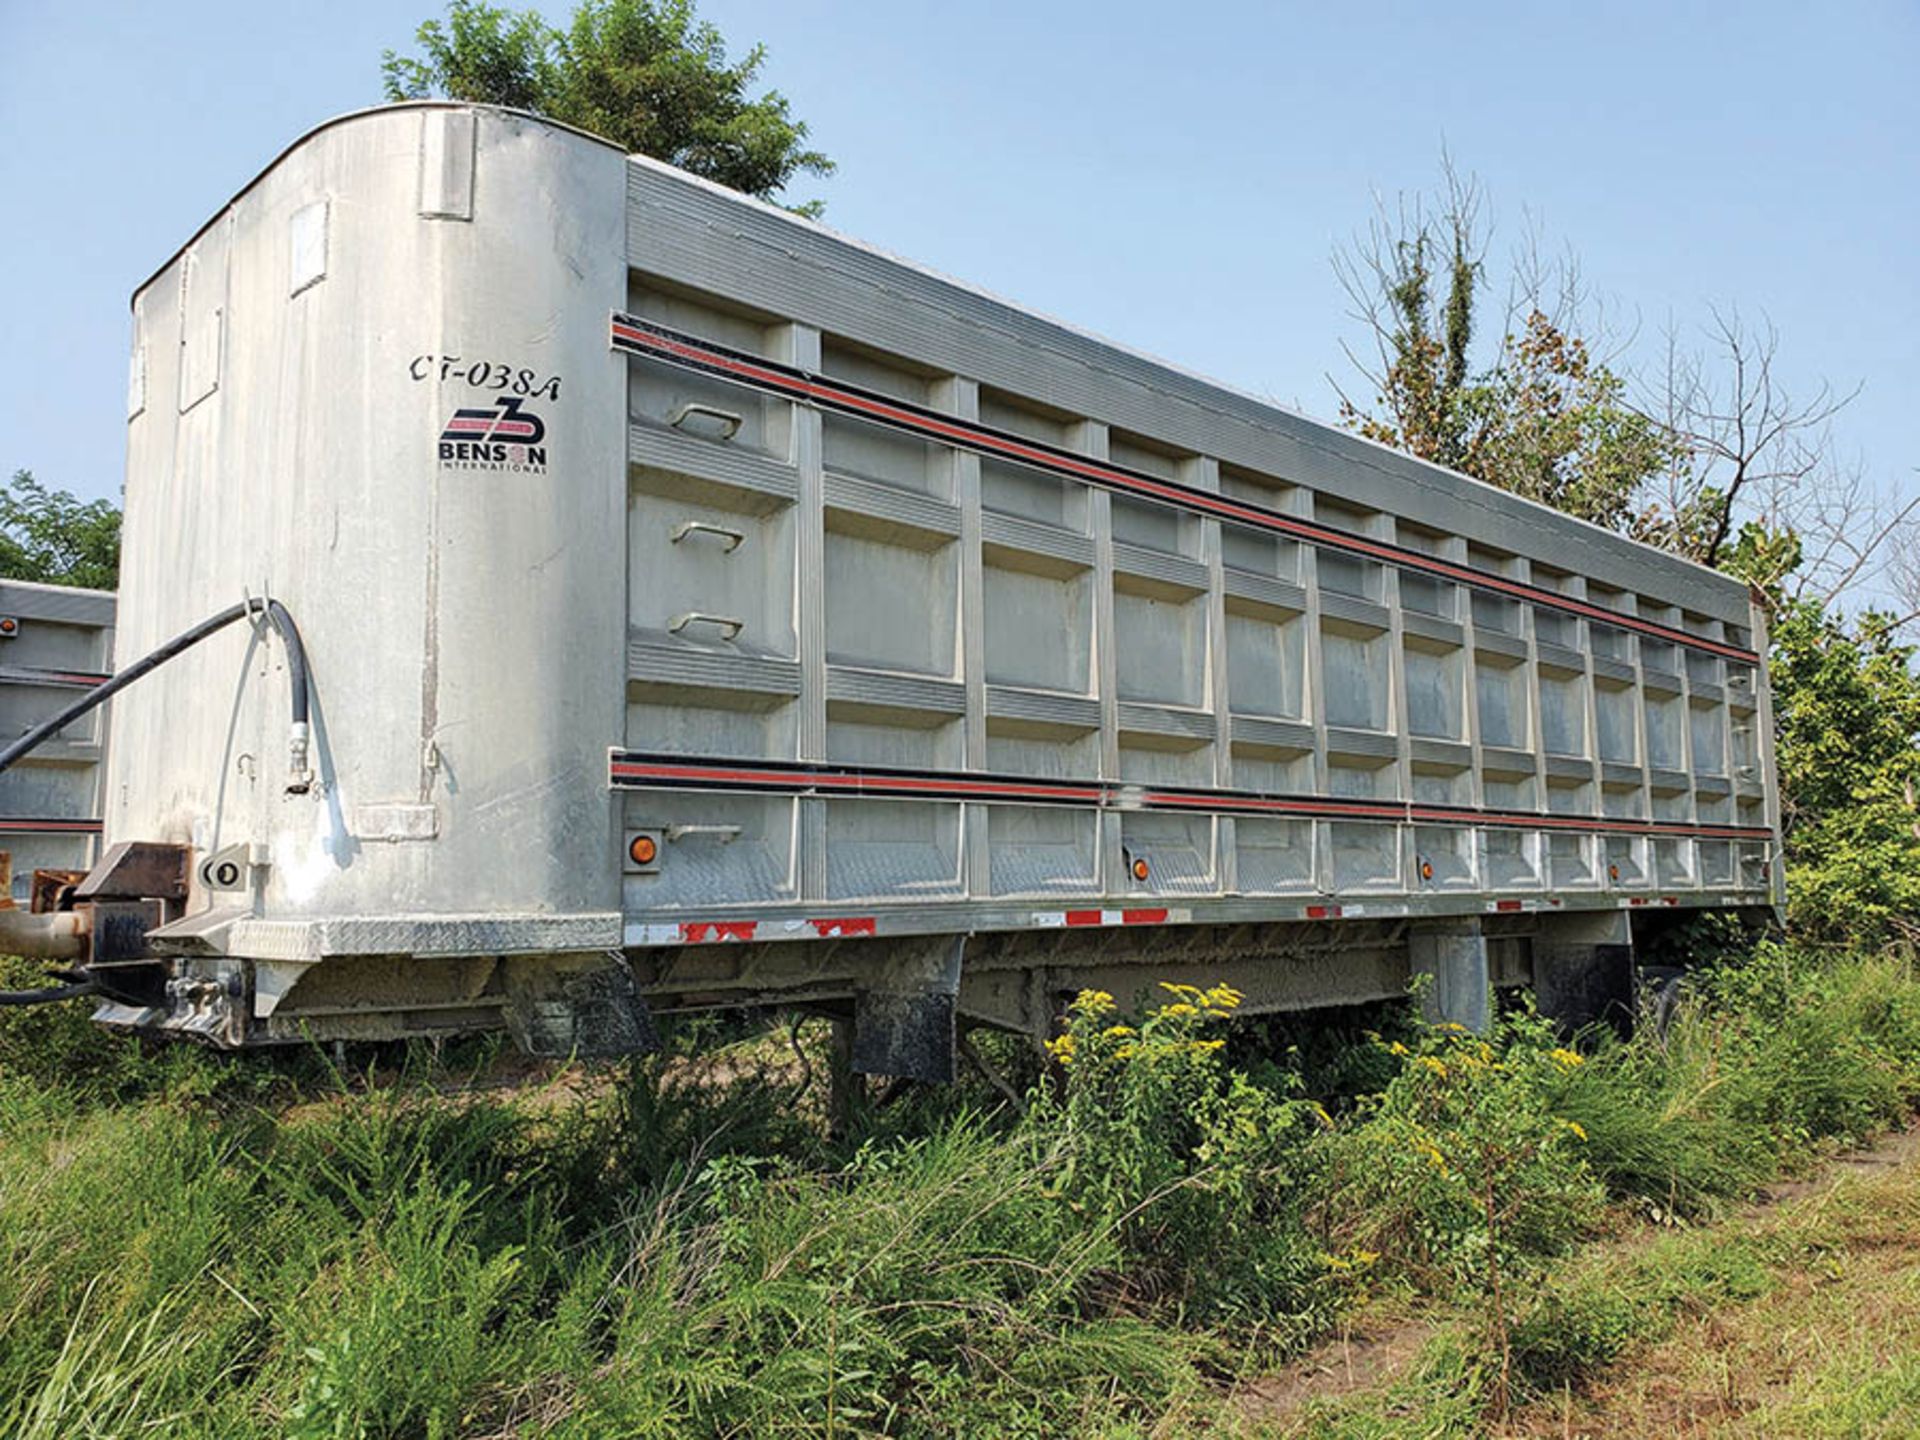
(53, 890)
(138, 870)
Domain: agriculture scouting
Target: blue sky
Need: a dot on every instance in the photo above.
(1174, 177)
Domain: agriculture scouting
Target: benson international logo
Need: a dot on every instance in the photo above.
(504, 436)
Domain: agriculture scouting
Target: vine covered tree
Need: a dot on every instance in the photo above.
(1542, 416)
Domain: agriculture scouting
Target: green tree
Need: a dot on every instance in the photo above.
(649, 75)
(1550, 422)
(56, 538)
(1847, 717)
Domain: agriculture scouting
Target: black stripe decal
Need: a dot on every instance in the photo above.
(634, 336)
(640, 770)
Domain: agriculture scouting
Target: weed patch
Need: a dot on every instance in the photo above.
(203, 1247)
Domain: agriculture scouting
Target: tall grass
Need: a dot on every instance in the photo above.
(202, 1247)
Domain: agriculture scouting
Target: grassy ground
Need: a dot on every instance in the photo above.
(1829, 1346)
(195, 1246)
(1797, 1317)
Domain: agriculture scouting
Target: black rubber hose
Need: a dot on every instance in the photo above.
(296, 658)
(50, 995)
(186, 640)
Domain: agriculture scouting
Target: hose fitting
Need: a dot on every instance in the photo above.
(299, 772)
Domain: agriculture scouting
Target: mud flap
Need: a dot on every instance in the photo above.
(1583, 970)
(586, 1006)
(903, 1020)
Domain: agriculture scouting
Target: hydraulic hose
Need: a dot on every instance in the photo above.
(49, 995)
(57, 936)
(297, 679)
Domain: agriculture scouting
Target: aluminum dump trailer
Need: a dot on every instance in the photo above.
(704, 609)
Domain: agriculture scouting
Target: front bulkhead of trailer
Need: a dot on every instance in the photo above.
(704, 609)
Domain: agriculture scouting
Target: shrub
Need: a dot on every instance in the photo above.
(1462, 1173)
(1198, 1170)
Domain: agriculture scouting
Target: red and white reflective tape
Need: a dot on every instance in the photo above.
(1073, 919)
(740, 932)
(846, 925)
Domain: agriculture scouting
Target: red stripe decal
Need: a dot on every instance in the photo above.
(980, 438)
(632, 770)
(1083, 917)
(1143, 917)
(801, 780)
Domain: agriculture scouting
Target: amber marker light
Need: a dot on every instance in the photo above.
(1140, 870)
(1426, 869)
(643, 850)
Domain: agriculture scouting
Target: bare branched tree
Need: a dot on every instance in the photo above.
(1749, 449)
(1743, 430)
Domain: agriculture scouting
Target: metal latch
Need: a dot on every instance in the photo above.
(734, 538)
(726, 834)
(708, 422)
(685, 618)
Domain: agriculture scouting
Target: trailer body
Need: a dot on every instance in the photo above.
(56, 642)
(707, 609)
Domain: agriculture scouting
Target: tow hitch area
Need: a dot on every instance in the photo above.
(100, 922)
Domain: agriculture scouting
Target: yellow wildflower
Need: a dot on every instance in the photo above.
(1575, 1127)
(1437, 1066)
(1397, 1048)
(1191, 991)
(1224, 997)
(1353, 1260)
(1061, 1048)
(1207, 1047)
(1567, 1059)
(1117, 1032)
(1093, 1002)
(1179, 1007)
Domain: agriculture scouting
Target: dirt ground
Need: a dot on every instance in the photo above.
(1831, 1348)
